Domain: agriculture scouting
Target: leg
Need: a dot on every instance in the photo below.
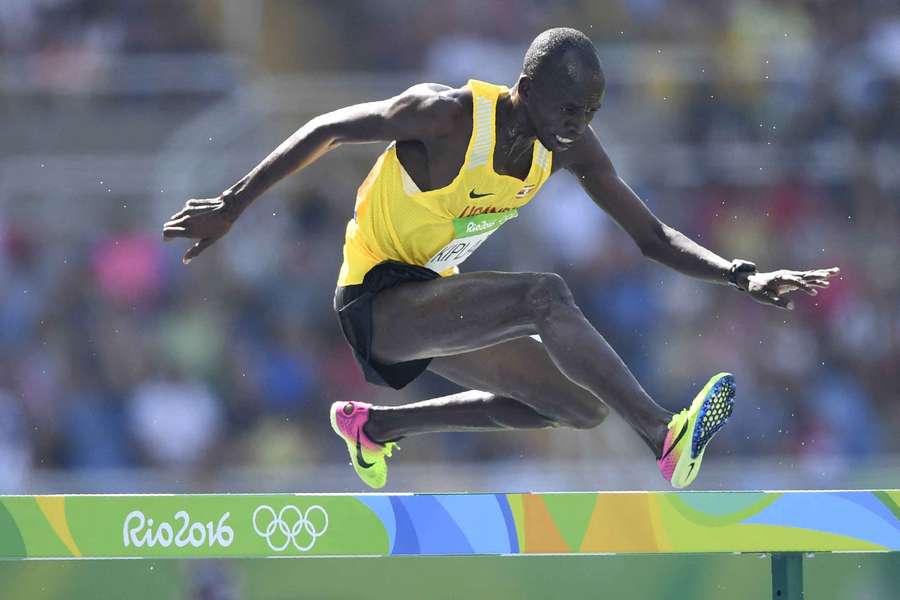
(455, 315)
(522, 389)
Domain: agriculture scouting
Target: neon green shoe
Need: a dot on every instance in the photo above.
(367, 456)
(692, 429)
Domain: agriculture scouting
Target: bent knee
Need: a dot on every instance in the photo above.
(547, 291)
(575, 411)
(588, 417)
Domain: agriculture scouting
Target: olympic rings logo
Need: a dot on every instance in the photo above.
(290, 525)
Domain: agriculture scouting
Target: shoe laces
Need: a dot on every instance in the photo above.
(682, 413)
(389, 448)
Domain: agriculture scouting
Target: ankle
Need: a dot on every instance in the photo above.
(376, 431)
(371, 427)
(658, 437)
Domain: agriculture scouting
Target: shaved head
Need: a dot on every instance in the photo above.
(562, 56)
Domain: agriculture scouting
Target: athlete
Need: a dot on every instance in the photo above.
(460, 164)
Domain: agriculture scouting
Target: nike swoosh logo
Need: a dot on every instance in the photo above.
(677, 439)
(359, 456)
(691, 468)
(473, 194)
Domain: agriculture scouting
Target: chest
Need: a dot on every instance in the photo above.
(436, 164)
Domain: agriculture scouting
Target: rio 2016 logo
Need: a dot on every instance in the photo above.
(140, 531)
(290, 525)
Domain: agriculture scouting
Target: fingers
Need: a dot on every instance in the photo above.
(202, 202)
(820, 275)
(809, 281)
(170, 233)
(818, 283)
(181, 223)
(194, 209)
(801, 284)
(176, 228)
(197, 249)
(197, 205)
(184, 224)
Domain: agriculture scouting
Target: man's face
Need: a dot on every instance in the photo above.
(562, 104)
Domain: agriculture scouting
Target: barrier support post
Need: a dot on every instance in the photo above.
(787, 576)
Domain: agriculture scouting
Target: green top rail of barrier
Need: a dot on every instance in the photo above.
(278, 525)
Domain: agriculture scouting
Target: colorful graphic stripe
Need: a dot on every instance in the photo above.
(446, 524)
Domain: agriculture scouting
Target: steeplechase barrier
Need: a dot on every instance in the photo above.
(783, 526)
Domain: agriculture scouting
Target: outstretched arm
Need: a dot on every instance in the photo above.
(422, 112)
(588, 161)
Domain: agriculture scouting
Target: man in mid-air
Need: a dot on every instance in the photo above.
(460, 164)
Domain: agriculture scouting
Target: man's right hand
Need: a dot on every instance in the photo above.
(205, 220)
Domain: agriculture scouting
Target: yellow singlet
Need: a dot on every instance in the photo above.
(438, 229)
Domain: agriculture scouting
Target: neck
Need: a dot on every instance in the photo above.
(514, 118)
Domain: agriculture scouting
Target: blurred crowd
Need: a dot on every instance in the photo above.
(113, 354)
(39, 27)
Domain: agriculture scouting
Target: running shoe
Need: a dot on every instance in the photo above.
(692, 429)
(366, 455)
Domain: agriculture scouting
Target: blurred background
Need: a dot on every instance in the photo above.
(767, 130)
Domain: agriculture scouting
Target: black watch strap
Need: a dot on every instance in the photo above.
(740, 266)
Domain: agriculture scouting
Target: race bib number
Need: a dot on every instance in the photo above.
(470, 234)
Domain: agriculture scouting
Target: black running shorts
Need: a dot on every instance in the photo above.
(353, 304)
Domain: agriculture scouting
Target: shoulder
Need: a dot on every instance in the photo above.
(446, 106)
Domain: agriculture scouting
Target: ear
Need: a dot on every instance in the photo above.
(523, 87)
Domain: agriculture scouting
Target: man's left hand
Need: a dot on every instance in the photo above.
(773, 287)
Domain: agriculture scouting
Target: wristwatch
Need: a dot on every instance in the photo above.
(739, 266)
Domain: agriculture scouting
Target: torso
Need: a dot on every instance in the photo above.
(433, 202)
